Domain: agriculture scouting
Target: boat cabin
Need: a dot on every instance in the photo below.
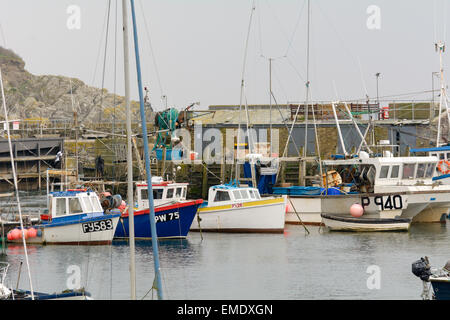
(223, 194)
(163, 192)
(373, 173)
(72, 202)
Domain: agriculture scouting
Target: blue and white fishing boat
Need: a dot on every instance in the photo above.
(173, 213)
(74, 217)
(437, 278)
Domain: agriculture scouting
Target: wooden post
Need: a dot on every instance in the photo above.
(204, 182)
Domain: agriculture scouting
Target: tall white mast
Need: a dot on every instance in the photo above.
(13, 166)
(129, 152)
(440, 47)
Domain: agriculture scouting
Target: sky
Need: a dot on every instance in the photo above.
(195, 50)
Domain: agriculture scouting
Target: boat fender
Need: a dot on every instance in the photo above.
(356, 210)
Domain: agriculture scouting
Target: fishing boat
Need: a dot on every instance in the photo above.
(173, 213)
(437, 278)
(75, 216)
(344, 223)
(233, 208)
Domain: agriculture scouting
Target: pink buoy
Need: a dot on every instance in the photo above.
(15, 234)
(356, 210)
(32, 232)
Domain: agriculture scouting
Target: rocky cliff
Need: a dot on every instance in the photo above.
(56, 97)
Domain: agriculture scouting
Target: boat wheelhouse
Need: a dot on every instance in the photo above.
(173, 213)
(232, 208)
(164, 192)
(386, 187)
(442, 172)
(75, 217)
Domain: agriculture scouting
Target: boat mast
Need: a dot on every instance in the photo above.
(147, 159)
(129, 151)
(440, 47)
(13, 166)
(241, 97)
(307, 98)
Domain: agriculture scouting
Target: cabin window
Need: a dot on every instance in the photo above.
(88, 204)
(169, 193)
(244, 194)
(60, 209)
(237, 195)
(394, 172)
(178, 193)
(408, 171)
(430, 170)
(434, 154)
(222, 196)
(448, 155)
(252, 194)
(442, 156)
(184, 192)
(96, 204)
(384, 172)
(421, 168)
(157, 194)
(75, 205)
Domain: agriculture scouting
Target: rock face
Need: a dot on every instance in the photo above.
(56, 97)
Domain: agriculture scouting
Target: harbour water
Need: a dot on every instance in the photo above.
(292, 266)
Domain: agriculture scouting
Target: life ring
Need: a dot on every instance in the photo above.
(441, 169)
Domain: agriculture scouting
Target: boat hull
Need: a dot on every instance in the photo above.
(441, 288)
(340, 223)
(261, 216)
(172, 221)
(86, 231)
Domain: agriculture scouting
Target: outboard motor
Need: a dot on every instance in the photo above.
(421, 268)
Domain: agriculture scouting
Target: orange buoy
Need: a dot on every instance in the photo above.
(32, 232)
(15, 234)
(9, 235)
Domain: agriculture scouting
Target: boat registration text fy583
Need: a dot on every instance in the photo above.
(95, 226)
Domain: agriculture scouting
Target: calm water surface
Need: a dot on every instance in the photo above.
(293, 265)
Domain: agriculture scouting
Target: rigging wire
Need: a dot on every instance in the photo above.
(158, 77)
(104, 61)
